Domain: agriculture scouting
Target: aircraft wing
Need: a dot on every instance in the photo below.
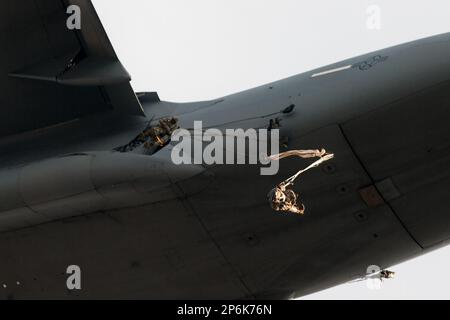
(50, 74)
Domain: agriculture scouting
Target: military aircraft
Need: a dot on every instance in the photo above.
(87, 177)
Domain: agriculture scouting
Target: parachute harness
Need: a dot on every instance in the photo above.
(283, 197)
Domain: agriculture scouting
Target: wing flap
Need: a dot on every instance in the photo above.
(90, 72)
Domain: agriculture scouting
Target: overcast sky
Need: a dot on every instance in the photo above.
(191, 50)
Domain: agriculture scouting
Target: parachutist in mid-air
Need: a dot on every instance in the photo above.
(283, 198)
(386, 274)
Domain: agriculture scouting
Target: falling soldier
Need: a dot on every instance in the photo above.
(160, 135)
(283, 198)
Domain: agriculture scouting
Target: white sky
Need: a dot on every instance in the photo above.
(191, 50)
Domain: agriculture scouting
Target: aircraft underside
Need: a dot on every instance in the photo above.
(87, 176)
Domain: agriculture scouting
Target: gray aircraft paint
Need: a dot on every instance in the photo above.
(215, 235)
